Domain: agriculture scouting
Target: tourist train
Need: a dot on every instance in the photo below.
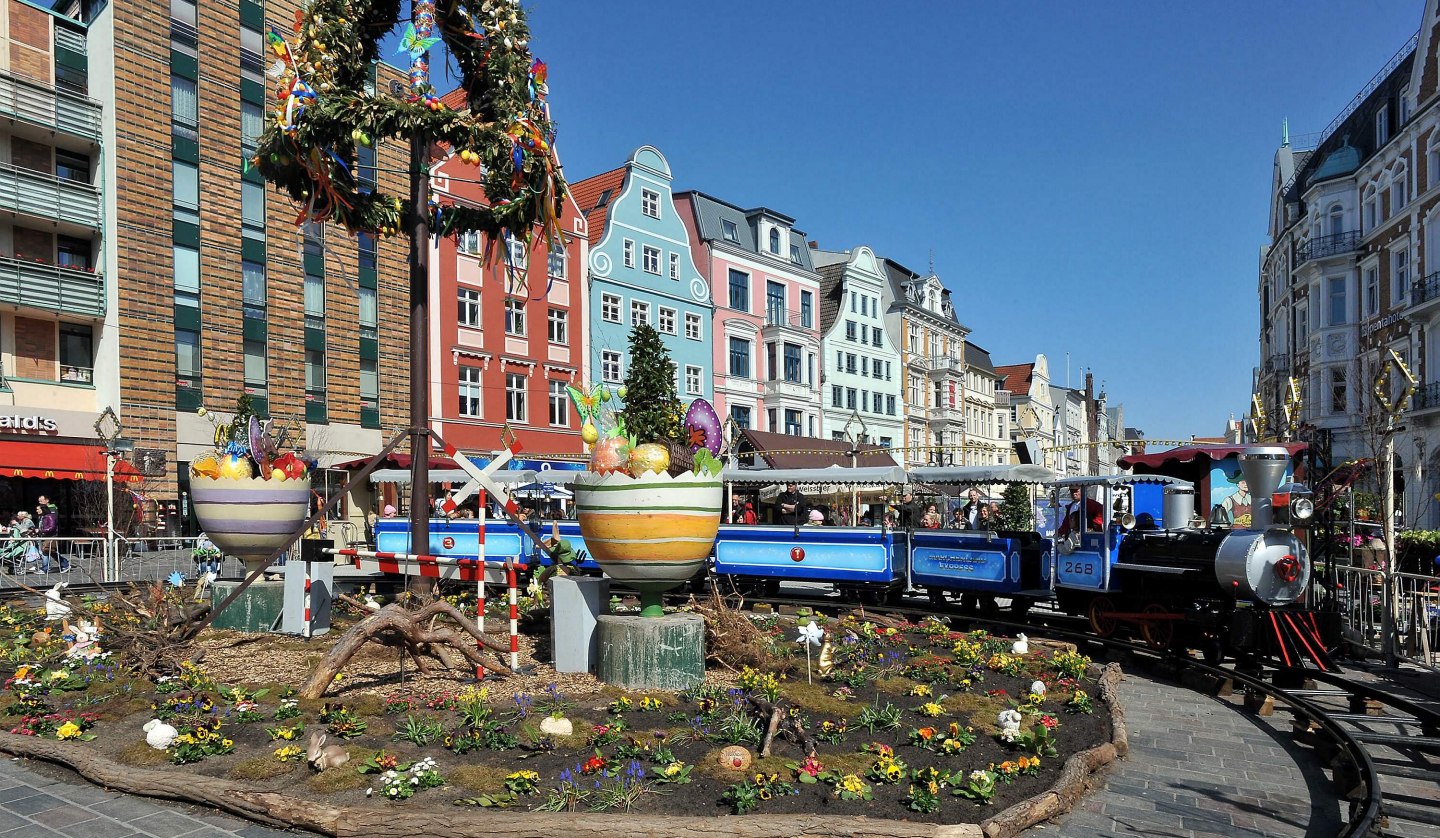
(1134, 551)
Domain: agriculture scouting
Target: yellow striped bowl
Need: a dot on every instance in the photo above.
(651, 532)
(250, 519)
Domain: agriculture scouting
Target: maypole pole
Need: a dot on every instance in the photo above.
(424, 24)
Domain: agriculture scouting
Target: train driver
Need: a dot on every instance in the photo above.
(1094, 514)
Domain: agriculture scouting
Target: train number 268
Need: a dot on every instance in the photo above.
(1081, 568)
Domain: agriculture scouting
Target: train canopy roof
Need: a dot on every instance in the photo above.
(834, 475)
(983, 474)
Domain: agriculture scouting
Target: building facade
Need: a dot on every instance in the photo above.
(986, 430)
(508, 337)
(862, 366)
(1349, 279)
(766, 332)
(1032, 409)
(921, 321)
(641, 269)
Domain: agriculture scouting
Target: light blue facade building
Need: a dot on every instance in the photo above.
(641, 269)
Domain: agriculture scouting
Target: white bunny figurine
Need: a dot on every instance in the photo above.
(55, 607)
(322, 756)
(159, 735)
(1021, 646)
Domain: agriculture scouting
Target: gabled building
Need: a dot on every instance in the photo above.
(921, 321)
(506, 338)
(860, 385)
(641, 269)
(1032, 410)
(767, 327)
(1070, 431)
(985, 436)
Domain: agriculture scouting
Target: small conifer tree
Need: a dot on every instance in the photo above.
(1015, 510)
(652, 411)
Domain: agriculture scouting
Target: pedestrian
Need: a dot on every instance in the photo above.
(389, 510)
(905, 512)
(971, 510)
(792, 505)
(46, 531)
(817, 518)
(931, 519)
(1093, 511)
(206, 555)
(957, 519)
(747, 513)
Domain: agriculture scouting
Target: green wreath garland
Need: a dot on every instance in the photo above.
(322, 113)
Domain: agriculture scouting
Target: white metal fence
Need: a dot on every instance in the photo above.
(28, 562)
(1413, 605)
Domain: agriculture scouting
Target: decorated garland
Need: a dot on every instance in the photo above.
(322, 114)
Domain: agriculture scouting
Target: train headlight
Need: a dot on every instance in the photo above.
(1301, 509)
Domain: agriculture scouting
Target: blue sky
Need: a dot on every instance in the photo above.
(1091, 177)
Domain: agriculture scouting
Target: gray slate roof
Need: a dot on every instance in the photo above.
(711, 213)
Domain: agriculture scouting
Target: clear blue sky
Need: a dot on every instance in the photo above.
(1092, 177)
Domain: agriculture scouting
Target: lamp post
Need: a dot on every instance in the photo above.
(854, 437)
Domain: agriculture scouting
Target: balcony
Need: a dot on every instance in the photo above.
(1002, 397)
(1324, 247)
(942, 365)
(779, 322)
(51, 198)
(1424, 293)
(940, 416)
(1278, 363)
(54, 109)
(788, 390)
(51, 287)
(1426, 397)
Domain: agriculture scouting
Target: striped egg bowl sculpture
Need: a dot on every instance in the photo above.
(249, 519)
(652, 532)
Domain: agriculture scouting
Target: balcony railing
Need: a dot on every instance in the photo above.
(1427, 397)
(1279, 362)
(51, 287)
(51, 198)
(1002, 397)
(782, 319)
(945, 416)
(1425, 290)
(943, 364)
(792, 389)
(1326, 246)
(49, 107)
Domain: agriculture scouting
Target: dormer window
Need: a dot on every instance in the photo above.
(729, 230)
(1382, 126)
(775, 240)
(650, 202)
(795, 253)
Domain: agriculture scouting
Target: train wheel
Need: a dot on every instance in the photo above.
(1159, 630)
(1100, 620)
(1020, 606)
(894, 596)
(1212, 649)
(938, 598)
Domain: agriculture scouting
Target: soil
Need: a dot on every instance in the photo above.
(244, 659)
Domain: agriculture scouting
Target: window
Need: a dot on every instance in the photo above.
(850, 329)
(774, 303)
(368, 312)
(186, 187)
(470, 398)
(252, 281)
(77, 353)
(674, 266)
(1399, 276)
(865, 365)
(693, 386)
(874, 335)
(853, 296)
(850, 362)
(518, 252)
(650, 202)
(71, 166)
(667, 321)
(1432, 162)
(770, 416)
(651, 259)
(1370, 215)
(729, 230)
(559, 405)
(1337, 390)
(1382, 125)
(739, 290)
(1404, 101)
(889, 409)
(314, 375)
(1337, 301)
(610, 370)
(1399, 191)
(741, 415)
(1302, 324)
(557, 262)
(515, 397)
(184, 108)
(610, 308)
(469, 243)
(469, 307)
(837, 395)
(885, 441)
(1337, 220)
(792, 422)
(252, 125)
(865, 400)
(692, 326)
(1372, 291)
(254, 351)
(514, 318)
(771, 367)
(775, 240)
(187, 358)
(556, 323)
(187, 275)
(369, 248)
(72, 253)
(850, 398)
(639, 312)
(795, 254)
(739, 357)
(628, 250)
(793, 368)
(314, 236)
(807, 309)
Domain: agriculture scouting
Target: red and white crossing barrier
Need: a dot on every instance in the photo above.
(514, 617)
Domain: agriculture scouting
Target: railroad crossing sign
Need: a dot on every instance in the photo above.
(1394, 396)
(482, 478)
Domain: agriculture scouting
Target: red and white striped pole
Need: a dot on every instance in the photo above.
(514, 618)
(307, 629)
(480, 582)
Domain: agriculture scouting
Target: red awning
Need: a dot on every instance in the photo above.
(1190, 452)
(59, 461)
(396, 461)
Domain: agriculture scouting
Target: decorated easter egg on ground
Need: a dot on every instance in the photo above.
(610, 454)
(205, 465)
(236, 467)
(651, 456)
(702, 427)
(735, 758)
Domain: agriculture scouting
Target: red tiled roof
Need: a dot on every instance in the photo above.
(1016, 377)
(587, 193)
(455, 100)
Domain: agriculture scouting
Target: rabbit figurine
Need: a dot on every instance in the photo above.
(159, 735)
(322, 756)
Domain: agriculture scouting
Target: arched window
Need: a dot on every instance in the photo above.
(774, 240)
(1371, 217)
(1337, 220)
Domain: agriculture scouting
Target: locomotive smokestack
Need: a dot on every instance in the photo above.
(1264, 468)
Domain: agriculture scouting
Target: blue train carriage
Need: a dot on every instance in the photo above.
(975, 566)
(1083, 562)
(865, 562)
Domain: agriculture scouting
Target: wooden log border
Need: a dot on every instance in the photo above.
(285, 811)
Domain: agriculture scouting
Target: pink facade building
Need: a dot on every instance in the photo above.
(767, 316)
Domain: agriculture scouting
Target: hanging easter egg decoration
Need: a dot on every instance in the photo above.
(702, 427)
(589, 433)
(620, 391)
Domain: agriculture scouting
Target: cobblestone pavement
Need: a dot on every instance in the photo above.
(44, 801)
(1198, 766)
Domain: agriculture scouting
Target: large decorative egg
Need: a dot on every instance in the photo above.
(702, 427)
(609, 455)
(205, 465)
(236, 467)
(652, 456)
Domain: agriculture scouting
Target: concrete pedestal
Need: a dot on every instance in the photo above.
(575, 606)
(257, 609)
(652, 653)
(315, 602)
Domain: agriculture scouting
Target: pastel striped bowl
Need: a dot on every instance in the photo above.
(653, 532)
(249, 519)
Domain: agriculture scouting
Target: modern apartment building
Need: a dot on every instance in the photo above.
(767, 326)
(862, 366)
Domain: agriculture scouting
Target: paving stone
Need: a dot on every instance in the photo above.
(17, 792)
(62, 816)
(37, 802)
(166, 824)
(101, 827)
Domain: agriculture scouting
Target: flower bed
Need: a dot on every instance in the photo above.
(914, 722)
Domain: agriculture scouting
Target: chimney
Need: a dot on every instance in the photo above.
(1264, 468)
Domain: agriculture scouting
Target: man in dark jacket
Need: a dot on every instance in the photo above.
(906, 515)
(48, 529)
(791, 505)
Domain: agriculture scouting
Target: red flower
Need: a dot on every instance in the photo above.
(811, 766)
(593, 765)
(1050, 722)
